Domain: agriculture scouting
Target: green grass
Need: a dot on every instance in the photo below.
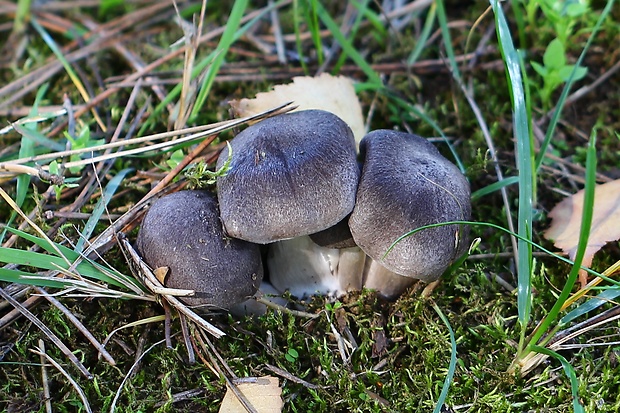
(461, 346)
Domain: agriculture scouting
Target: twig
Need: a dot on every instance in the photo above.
(286, 375)
(57, 342)
(230, 380)
(498, 171)
(271, 304)
(191, 356)
(45, 380)
(153, 283)
(129, 374)
(78, 324)
(71, 380)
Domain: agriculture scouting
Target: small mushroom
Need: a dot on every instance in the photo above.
(405, 184)
(183, 232)
(290, 175)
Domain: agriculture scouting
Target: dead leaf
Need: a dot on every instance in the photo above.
(264, 393)
(566, 225)
(161, 273)
(334, 94)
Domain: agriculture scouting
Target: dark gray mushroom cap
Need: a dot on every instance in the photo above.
(183, 231)
(405, 184)
(291, 175)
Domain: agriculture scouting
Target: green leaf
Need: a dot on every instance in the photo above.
(567, 71)
(540, 69)
(175, 159)
(576, 9)
(554, 57)
(564, 95)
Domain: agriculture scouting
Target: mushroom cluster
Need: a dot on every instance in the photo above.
(294, 184)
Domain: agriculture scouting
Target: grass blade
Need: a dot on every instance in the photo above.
(570, 372)
(495, 186)
(228, 38)
(100, 208)
(72, 75)
(313, 26)
(452, 366)
(586, 223)
(447, 41)
(606, 296)
(524, 162)
(426, 32)
(487, 224)
(22, 277)
(347, 46)
(48, 262)
(26, 149)
(87, 267)
(200, 66)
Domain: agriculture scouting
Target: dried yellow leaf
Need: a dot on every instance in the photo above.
(334, 94)
(264, 393)
(566, 225)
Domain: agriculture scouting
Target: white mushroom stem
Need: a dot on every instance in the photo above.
(303, 268)
(387, 283)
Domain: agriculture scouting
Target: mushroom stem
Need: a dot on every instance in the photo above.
(303, 268)
(387, 283)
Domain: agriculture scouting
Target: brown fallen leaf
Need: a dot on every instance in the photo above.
(264, 393)
(161, 273)
(334, 94)
(566, 215)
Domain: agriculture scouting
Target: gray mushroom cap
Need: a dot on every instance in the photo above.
(183, 232)
(405, 184)
(290, 175)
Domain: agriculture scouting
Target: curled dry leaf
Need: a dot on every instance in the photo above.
(264, 393)
(566, 225)
(334, 94)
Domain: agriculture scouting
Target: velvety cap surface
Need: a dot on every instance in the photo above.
(183, 231)
(405, 184)
(291, 175)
